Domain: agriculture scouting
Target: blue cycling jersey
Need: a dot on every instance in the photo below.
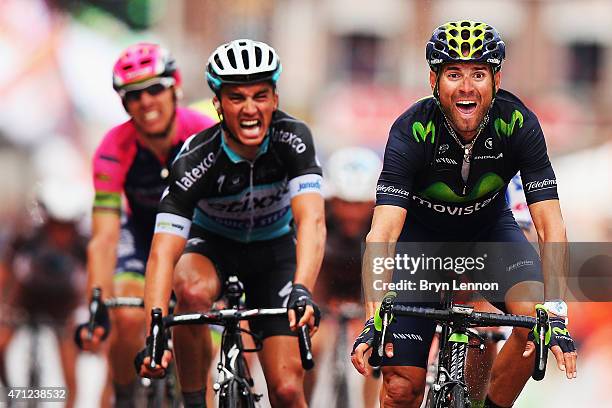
(423, 164)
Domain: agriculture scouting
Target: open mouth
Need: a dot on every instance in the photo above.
(466, 107)
(250, 124)
(151, 115)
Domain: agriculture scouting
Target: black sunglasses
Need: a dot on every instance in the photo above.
(156, 89)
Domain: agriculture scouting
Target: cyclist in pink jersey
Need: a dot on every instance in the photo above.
(132, 161)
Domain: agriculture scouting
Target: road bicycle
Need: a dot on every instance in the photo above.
(449, 389)
(158, 393)
(234, 384)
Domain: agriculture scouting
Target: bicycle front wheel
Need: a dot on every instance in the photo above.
(234, 397)
(457, 397)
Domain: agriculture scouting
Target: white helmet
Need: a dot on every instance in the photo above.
(352, 173)
(61, 201)
(242, 62)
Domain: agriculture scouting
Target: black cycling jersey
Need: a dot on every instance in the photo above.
(423, 163)
(236, 198)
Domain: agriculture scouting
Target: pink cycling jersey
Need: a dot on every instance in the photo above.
(124, 166)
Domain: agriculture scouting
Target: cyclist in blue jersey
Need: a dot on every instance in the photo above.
(244, 198)
(448, 159)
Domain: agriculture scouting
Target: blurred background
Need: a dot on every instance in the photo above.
(350, 68)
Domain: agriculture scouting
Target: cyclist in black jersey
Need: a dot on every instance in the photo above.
(447, 163)
(244, 198)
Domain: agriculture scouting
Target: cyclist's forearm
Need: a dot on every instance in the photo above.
(370, 309)
(310, 247)
(165, 252)
(101, 262)
(554, 253)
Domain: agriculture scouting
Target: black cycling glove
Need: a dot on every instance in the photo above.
(299, 293)
(99, 312)
(147, 352)
(368, 335)
(556, 335)
(560, 335)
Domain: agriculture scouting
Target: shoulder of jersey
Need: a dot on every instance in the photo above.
(119, 138)
(284, 120)
(506, 103)
(208, 139)
(194, 121)
(423, 110)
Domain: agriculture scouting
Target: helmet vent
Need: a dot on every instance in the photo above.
(465, 24)
(491, 46)
(465, 49)
(270, 56)
(128, 67)
(453, 54)
(477, 54)
(145, 61)
(232, 58)
(440, 46)
(442, 36)
(218, 61)
(245, 58)
(477, 43)
(242, 43)
(452, 43)
(477, 33)
(465, 34)
(489, 36)
(257, 56)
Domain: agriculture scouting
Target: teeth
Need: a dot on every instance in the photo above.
(152, 115)
(249, 122)
(465, 102)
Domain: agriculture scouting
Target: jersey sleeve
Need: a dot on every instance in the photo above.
(111, 162)
(404, 157)
(304, 172)
(539, 181)
(186, 183)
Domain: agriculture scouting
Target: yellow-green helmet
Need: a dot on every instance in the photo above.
(465, 41)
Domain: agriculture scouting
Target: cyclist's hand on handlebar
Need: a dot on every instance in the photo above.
(361, 347)
(145, 365)
(87, 343)
(142, 361)
(88, 336)
(562, 347)
(311, 315)
(560, 343)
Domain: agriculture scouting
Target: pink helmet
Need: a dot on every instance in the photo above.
(141, 62)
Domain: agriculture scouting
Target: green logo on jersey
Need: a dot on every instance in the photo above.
(488, 183)
(503, 128)
(558, 330)
(421, 132)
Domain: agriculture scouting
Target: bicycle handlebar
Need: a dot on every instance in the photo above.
(539, 368)
(304, 339)
(94, 304)
(469, 318)
(223, 317)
